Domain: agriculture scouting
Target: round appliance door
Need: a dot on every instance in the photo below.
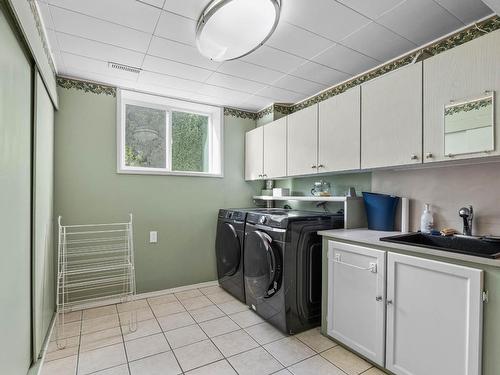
(228, 250)
(262, 265)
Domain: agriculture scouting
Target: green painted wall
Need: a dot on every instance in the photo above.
(15, 202)
(182, 209)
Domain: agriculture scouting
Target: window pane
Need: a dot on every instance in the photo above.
(190, 142)
(145, 137)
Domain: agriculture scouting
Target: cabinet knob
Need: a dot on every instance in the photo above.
(378, 298)
(449, 155)
(414, 157)
(321, 166)
(389, 302)
(429, 155)
(314, 167)
(260, 176)
(264, 175)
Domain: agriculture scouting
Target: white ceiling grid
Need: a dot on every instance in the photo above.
(318, 43)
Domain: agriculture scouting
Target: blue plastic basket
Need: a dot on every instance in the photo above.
(380, 210)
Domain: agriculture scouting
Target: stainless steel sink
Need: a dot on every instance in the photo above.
(478, 246)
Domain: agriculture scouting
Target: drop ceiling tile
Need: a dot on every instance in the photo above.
(187, 8)
(80, 63)
(172, 68)
(327, 18)
(130, 13)
(300, 42)
(174, 27)
(155, 3)
(231, 82)
(371, 9)
(92, 28)
(319, 73)
(171, 50)
(280, 95)
(254, 72)
(223, 93)
(466, 10)
(420, 21)
(378, 42)
(274, 59)
(161, 80)
(256, 103)
(298, 85)
(346, 60)
(46, 16)
(99, 51)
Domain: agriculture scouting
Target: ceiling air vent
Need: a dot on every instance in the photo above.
(130, 69)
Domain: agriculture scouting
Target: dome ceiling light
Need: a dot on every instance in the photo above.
(229, 29)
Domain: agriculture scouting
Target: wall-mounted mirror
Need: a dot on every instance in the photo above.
(469, 126)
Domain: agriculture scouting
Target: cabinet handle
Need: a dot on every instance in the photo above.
(414, 157)
(389, 302)
(429, 155)
(321, 166)
(314, 167)
(378, 298)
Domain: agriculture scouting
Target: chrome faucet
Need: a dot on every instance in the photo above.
(467, 214)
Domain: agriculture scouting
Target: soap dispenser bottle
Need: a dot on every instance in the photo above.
(426, 221)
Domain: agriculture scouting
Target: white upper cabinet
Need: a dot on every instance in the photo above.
(254, 154)
(339, 132)
(434, 317)
(462, 74)
(275, 149)
(302, 144)
(391, 118)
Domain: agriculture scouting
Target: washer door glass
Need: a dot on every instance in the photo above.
(262, 265)
(228, 250)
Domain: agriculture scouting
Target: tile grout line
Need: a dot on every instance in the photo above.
(123, 337)
(222, 354)
(163, 332)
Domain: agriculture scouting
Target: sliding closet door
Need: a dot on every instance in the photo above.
(43, 252)
(15, 203)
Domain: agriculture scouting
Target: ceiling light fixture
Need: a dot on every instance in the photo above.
(229, 29)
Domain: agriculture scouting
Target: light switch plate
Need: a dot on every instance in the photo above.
(153, 236)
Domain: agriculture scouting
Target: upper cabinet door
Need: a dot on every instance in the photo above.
(339, 132)
(391, 119)
(462, 74)
(302, 145)
(254, 154)
(434, 317)
(275, 149)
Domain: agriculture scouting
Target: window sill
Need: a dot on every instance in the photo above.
(170, 173)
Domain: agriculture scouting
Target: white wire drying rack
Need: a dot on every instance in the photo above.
(95, 263)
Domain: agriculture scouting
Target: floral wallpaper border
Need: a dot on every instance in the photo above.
(466, 107)
(95, 88)
(471, 33)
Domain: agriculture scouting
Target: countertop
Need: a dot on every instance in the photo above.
(372, 237)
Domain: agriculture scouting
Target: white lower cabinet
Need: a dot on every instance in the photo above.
(356, 295)
(414, 316)
(434, 317)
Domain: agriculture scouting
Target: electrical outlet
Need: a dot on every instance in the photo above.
(153, 236)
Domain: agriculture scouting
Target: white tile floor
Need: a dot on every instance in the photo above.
(196, 332)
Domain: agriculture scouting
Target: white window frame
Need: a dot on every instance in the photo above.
(215, 132)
